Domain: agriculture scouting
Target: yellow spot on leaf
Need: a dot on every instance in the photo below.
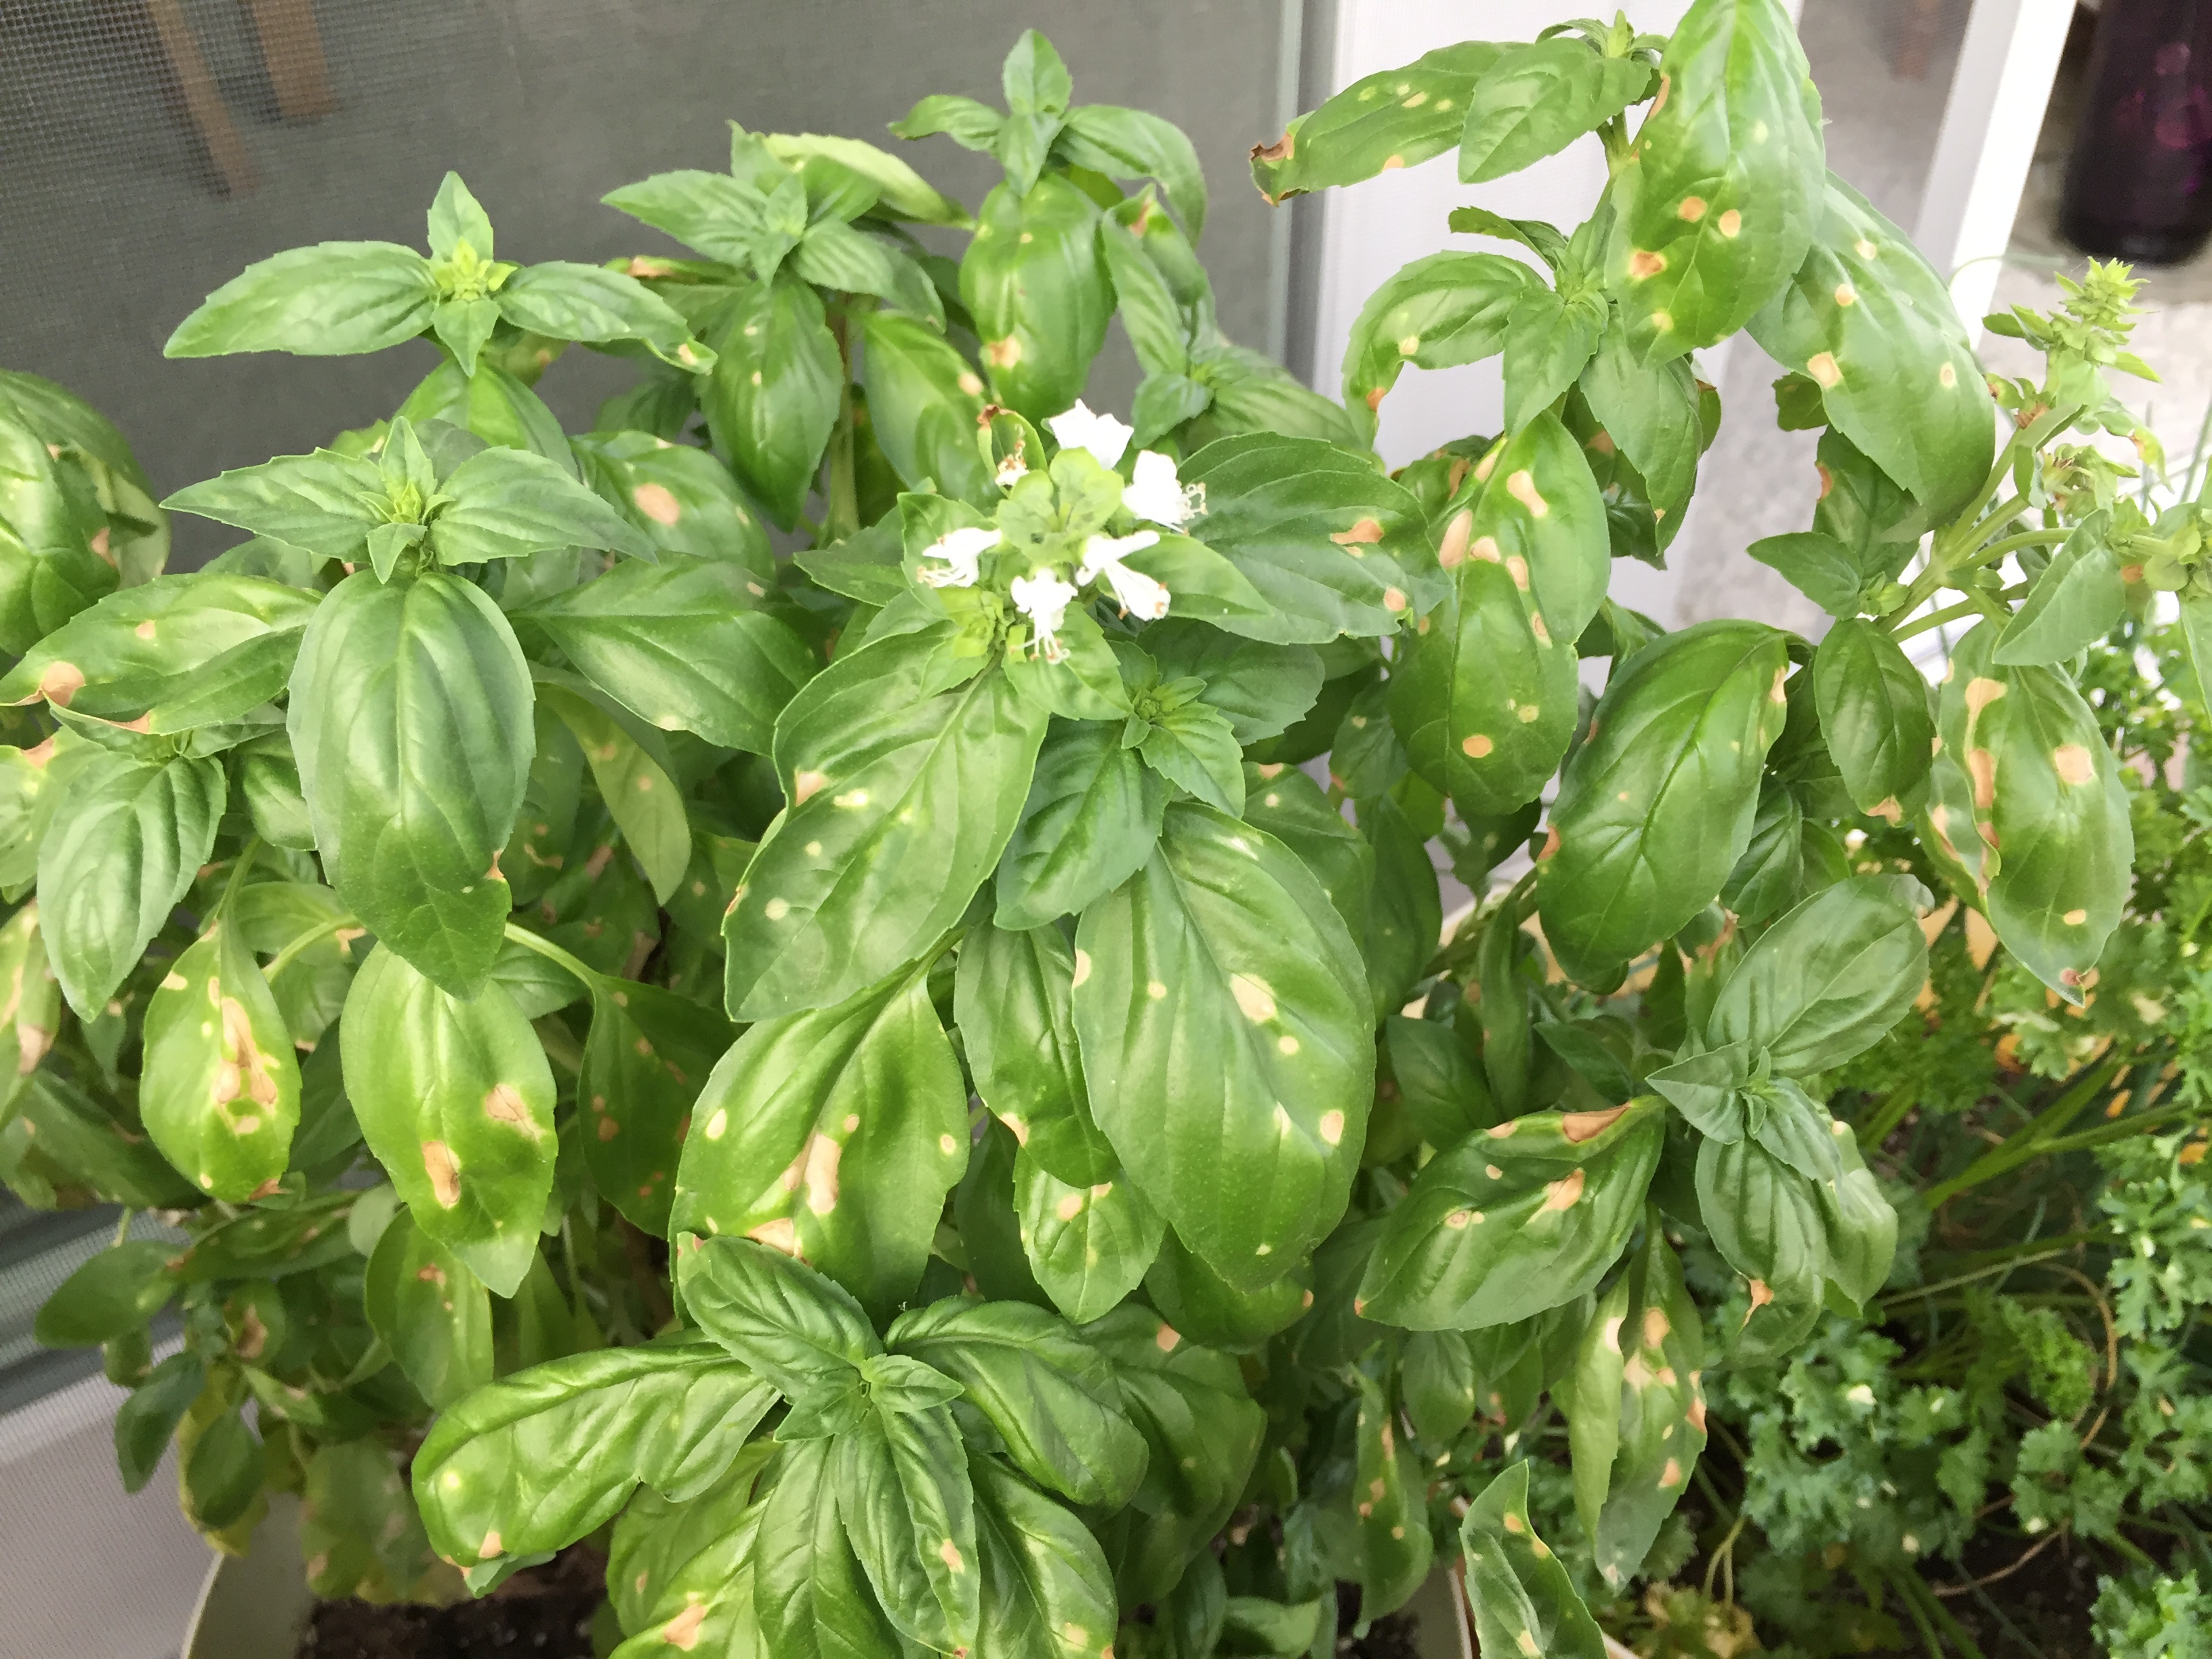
(658, 502)
(1476, 745)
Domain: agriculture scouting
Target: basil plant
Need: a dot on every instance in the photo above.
(882, 1084)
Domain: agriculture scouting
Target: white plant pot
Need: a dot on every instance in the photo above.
(255, 1606)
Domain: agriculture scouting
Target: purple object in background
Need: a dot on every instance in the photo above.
(2139, 182)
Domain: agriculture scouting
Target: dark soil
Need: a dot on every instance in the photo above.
(545, 1612)
(1394, 1636)
(2046, 1603)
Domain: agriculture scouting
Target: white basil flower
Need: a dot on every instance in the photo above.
(960, 550)
(1043, 597)
(1105, 437)
(1138, 594)
(1156, 494)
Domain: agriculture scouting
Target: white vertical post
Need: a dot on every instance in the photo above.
(2006, 67)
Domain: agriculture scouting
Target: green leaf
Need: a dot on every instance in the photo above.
(2077, 599)
(1536, 99)
(1876, 716)
(684, 500)
(1437, 312)
(1291, 806)
(811, 1597)
(2058, 844)
(222, 1464)
(903, 797)
(1134, 143)
(1438, 1080)
(718, 215)
(117, 1291)
(88, 1147)
(1485, 702)
(456, 1100)
(903, 1493)
(1765, 1219)
(1012, 1002)
(861, 1109)
(411, 718)
(1406, 915)
(1391, 1502)
(1438, 1378)
(681, 1574)
(1088, 1244)
(508, 504)
(648, 1055)
(430, 1311)
(1829, 979)
(900, 190)
(1047, 1589)
(1033, 280)
(358, 1524)
(333, 299)
(1549, 343)
(644, 799)
(1637, 1410)
(678, 644)
(1093, 813)
(1872, 324)
(1194, 747)
(1325, 537)
(796, 1327)
(1468, 1248)
(1051, 1398)
(836, 257)
(52, 532)
(564, 300)
(772, 398)
(1262, 688)
(1224, 945)
(145, 1423)
(125, 844)
(1653, 414)
(1771, 872)
(923, 402)
(493, 405)
(968, 123)
(178, 651)
(1193, 1298)
(1724, 189)
(1682, 732)
(1517, 1590)
(1396, 118)
(456, 216)
(30, 1001)
(463, 327)
(219, 1086)
(536, 1461)
(325, 503)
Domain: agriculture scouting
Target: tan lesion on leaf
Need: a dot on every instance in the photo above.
(444, 1174)
(1578, 1127)
(504, 1105)
(1566, 1192)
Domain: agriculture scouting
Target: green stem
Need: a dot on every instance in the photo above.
(123, 1225)
(1918, 1614)
(1997, 550)
(1933, 1606)
(841, 515)
(285, 957)
(2119, 1128)
(246, 854)
(1893, 1113)
(2041, 1250)
(1966, 530)
(2017, 1148)
(554, 954)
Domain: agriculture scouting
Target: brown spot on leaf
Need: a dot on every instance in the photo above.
(1578, 1127)
(1561, 1194)
(445, 1178)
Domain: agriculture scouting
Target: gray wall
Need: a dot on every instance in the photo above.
(114, 226)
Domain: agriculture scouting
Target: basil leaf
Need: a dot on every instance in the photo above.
(797, 1328)
(1468, 1248)
(648, 1056)
(1392, 1508)
(118, 1290)
(1653, 414)
(1437, 1377)
(508, 504)
(1224, 945)
(903, 1493)
(684, 500)
(1047, 1589)
(33, 1009)
(1194, 1298)
(1290, 807)
(1517, 1589)
(1193, 748)
(1681, 731)
(1442, 1086)
(1437, 312)
(411, 719)
(1766, 1221)
(772, 398)
(1052, 1399)
(1398, 117)
(1093, 813)
(456, 1101)
(2077, 599)
(325, 503)
(493, 405)
(1323, 536)
(1012, 1002)
(430, 1310)
(1874, 717)
(1406, 916)
(1262, 690)
(923, 402)
(358, 1526)
(1724, 187)
(1829, 979)
(570, 301)
(1536, 99)
(53, 535)
(899, 190)
(1549, 343)
(1771, 872)
(642, 798)
(901, 798)
(146, 1421)
(1033, 280)
(1872, 324)
(684, 1572)
(220, 1084)
(333, 298)
(1088, 1246)
(861, 1106)
(811, 1595)
(125, 844)
(535, 1460)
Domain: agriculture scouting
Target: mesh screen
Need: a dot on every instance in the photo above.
(155, 147)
